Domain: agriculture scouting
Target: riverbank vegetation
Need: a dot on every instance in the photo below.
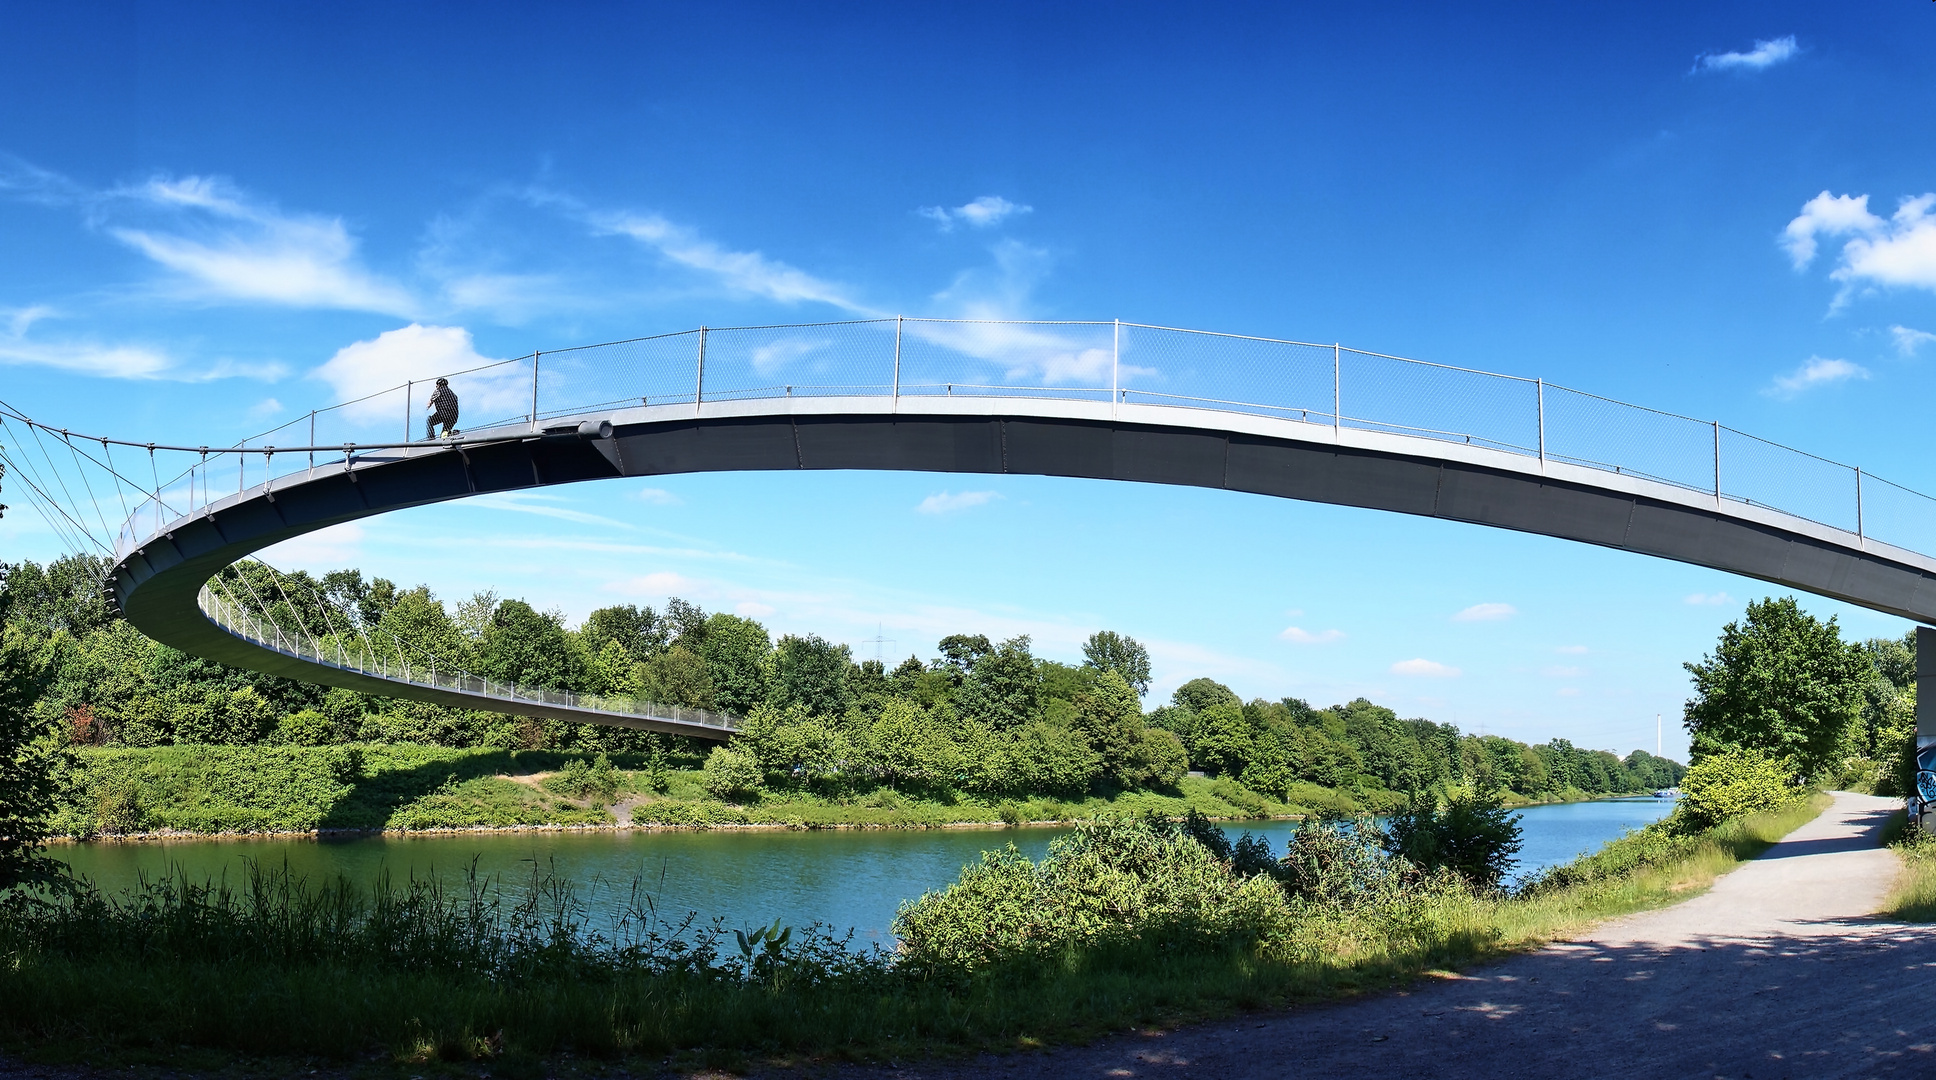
(1913, 899)
(1126, 921)
(984, 731)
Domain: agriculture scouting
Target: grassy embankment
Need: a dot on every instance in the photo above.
(288, 971)
(1913, 899)
(261, 789)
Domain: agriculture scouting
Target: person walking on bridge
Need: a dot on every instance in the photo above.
(443, 410)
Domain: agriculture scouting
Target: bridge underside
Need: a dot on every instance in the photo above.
(157, 584)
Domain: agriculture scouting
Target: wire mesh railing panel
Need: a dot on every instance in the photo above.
(1381, 393)
(1584, 429)
(1768, 474)
(662, 370)
(1226, 372)
(940, 358)
(853, 359)
(1896, 515)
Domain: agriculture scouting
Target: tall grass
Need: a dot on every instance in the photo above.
(273, 965)
(1913, 899)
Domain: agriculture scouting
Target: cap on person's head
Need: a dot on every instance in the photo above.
(443, 382)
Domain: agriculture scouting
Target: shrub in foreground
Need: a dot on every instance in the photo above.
(1734, 782)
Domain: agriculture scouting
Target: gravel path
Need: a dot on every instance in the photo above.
(1776, 972)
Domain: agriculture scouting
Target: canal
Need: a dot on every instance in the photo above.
(844, 878)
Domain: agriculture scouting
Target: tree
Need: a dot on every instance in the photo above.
(1003, 688)
(525, 646)
(735, 651)
(959, 654)
(1106, 650)
(1781, 682)
(1734, 781)
(810, 672)
(1113, 723)
(1224, 741)
(1199, 694)
(636, 630)
(26, 757)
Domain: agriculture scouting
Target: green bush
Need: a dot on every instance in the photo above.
(732, 774)
(1112, 881)
(307, 728)
(1471, 833)
(1734, 782)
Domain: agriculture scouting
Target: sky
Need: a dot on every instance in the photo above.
(220, 216)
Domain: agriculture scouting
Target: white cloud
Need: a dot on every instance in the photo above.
(1425, 669)
(753, 609)
(1908, 341)
(947, 503)
(1486, 613)
(265, 408)
(540, 504)
(1765, 54)
(1299, 635)
(981, 213)
(325, 549)
(661, 583)
(225, 246)
(1826, 215)
(1571, 650)
(1568, 691)
(422, 353)
(657, 497)
(1562, 672)
(1708, 599)
(746, 272)
(1814, 372)
(768, 359)
(1898, 251)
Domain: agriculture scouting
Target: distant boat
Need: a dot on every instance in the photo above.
(1668, 793)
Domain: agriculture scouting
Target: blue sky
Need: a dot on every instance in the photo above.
(1711, 210)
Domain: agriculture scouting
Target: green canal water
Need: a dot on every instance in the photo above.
(844, 878)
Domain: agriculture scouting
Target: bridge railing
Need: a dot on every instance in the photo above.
(1313, 383)
(335, 651)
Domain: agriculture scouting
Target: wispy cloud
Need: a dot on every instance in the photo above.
(657, 497)
(267, 407)
(223, 245)
(542, 504)
(21, 345)
(947, 503)
(1708, 599)
(1425, 669)
(1909, 341)
(749, 273)
(1815, 372)
(1571, 650)
(1299, 636)
(1486, 613)
(981, 213)
(1765, 54)
(1897, 251)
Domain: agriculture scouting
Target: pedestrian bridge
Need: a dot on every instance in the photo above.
(1109, 401)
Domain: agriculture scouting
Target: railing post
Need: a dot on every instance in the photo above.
(1542, 421)
(535, 354)
(1115, 366)
(896, 407)
(1717, 463)
(312, 444)
(1337, 388)
(409, 388)
(699, 387)
(1859, 535)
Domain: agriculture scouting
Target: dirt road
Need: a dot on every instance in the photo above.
(1776, 972)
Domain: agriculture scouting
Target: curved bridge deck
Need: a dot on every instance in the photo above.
(157, 582)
